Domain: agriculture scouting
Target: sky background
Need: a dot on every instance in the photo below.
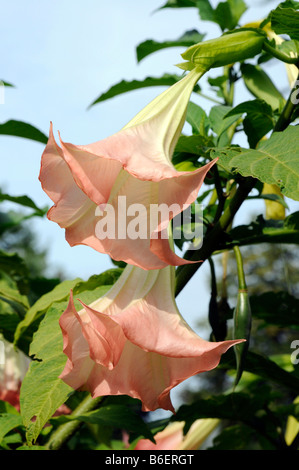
(61, 55)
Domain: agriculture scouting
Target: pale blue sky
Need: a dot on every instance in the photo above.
(61, 55)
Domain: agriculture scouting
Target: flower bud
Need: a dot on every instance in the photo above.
(242, 327)
(231, 47)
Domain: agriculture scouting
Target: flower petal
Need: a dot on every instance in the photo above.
(134, 163)
(137, 344)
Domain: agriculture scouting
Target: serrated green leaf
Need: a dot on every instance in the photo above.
(126, 86)
(150, 46)
(266, 231)
(275, 161)
(23, 129)
(42, 392)
(285, 20)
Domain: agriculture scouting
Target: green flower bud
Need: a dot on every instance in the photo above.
(242, 327)
(229, 48)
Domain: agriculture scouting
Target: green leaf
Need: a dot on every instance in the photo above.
(12, 264)
(198, 119)
(275, 161)
(289, 48)
(276, 308)
(236, 437)
(6, 407)
(270, 371)
(179, 4)
(150, 46)
(238, 406)
(206, 11)
(31, 448)
(10, 293)
(39, 308)
(117, 416)
(261, 86)
(264, 368)
(188, 150)
(258, 121)
(23, 201)
(61, 292)
(42, 392)
(226, 14)
(8, 422)
(9, 319)
(220, 123)
(192, 144)
(266, 231)
(285, 20)
(23, 129)
(6, 83)
(126, 86)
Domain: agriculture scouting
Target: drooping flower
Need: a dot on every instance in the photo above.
(133, 165)
(133, 341)
(13, 368)
(14, 365)
(173, 438)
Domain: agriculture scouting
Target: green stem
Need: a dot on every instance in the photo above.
(208, 98)
(240, 270)
(279, 55)
(65, 431)
(213, 278)
(286, 115)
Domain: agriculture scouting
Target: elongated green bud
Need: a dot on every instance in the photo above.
(242, 327)
(232, 47)
(242, 318)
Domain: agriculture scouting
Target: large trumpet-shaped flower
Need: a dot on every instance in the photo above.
(132, 166)
(133, 341)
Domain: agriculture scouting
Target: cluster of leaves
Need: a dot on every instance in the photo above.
(255, 412)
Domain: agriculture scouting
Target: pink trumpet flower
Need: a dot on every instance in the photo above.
(133, 341)
(135, 164)
(172, 437)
